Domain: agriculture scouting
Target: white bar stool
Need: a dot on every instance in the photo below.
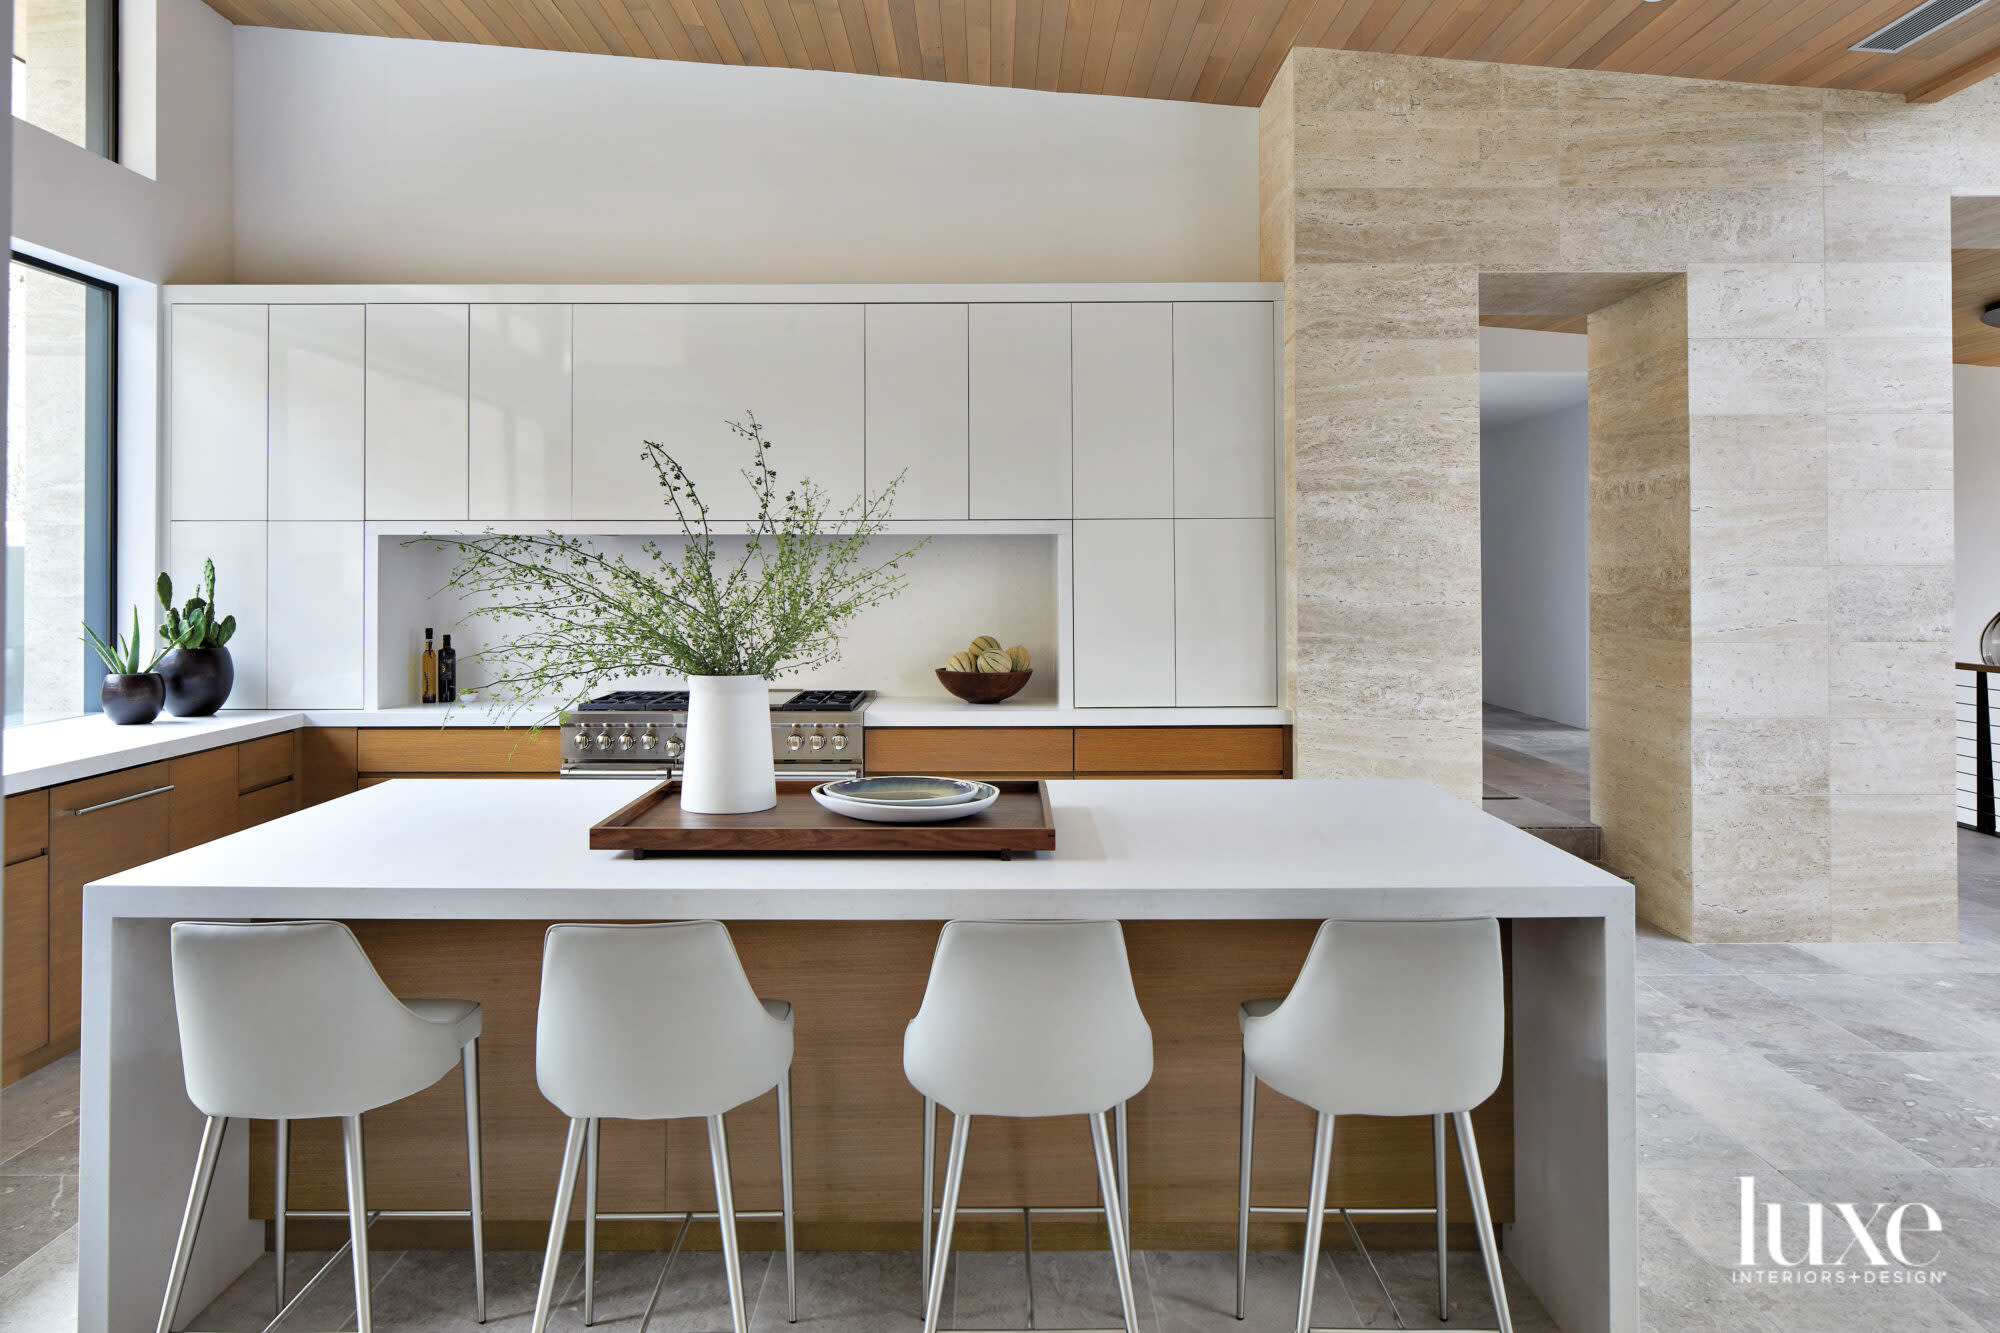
(288, 1020)
(1028, 1019)
(1387, 1018)
(657, 1022)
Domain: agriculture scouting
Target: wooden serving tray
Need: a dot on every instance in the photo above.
(1020, 821)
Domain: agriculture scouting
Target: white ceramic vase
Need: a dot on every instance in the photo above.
(727, 769)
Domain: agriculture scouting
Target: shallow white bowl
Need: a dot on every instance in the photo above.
(904, 791)
(888, 813)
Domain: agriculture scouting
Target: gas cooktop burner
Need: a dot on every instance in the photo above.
(637, 701)
(822, 701)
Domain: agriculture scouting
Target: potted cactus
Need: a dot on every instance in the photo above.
(131, 693)
(196, 666)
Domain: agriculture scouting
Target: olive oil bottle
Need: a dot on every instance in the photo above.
(429, 667)
(447, 673)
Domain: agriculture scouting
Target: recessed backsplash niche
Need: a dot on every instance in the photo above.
(958, 586)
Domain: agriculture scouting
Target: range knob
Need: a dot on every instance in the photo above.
(625, 737)
(839, 739)
(604, 738)
(579, 738)
(649, 737)
(795, 740)
(818, 739)
(675, 745)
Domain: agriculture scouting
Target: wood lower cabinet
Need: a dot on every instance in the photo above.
(1083, 752)
(24, 936)
(202, 805)
(97, 827)
(456, 752)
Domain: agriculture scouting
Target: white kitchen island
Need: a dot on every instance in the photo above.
(1192, 851)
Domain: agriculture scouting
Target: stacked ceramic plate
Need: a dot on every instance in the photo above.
(906, 800)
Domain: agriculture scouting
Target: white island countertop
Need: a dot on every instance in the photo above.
(473, 848)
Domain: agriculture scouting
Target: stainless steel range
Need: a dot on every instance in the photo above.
(815, 734)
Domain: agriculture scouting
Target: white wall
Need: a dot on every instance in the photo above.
(1976, 517)
(362, 159)
(1534, 543)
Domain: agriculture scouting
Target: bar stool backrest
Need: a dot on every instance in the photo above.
(652, 1022)
(1029, 1018)
(1389, 1018)
(288, 1020)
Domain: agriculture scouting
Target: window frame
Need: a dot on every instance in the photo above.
(100, 475)
(103, 77)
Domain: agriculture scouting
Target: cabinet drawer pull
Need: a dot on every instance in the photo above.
(122, 800)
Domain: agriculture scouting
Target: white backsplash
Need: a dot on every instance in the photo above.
(959, 586)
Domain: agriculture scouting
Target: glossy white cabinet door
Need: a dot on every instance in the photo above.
(1225, 613)
(316, 411)
(1124, 586)
(238, 550)
(314, 631)
(1225, 410)
(416, 447)
(520, 415)
(217, 387)
(917, 407)
(1020, 411)
(1124, 387)
(678, 374)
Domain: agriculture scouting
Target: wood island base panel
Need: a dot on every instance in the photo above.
(857, 1130)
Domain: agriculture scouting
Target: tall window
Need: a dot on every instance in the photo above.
(60, 373)
(66, 70)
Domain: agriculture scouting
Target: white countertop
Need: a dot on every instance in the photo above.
(47, 753)
(1217, 849)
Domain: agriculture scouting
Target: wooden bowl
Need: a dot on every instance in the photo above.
(983, 687)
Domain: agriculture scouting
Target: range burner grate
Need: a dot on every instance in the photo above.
(637, 701)
(822, 701)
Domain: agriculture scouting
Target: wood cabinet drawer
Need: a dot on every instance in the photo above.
(202, 805)
(265, 761)
(1104, 750)
(267, 803)
(24, 1024)
(389, 750)
(97, 827)
(958, 751)
(27, 825)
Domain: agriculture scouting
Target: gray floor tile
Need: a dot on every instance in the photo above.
(1943, 1106)
(845, 1292)
(37, 1106)
(695, 1298)
(1767, 958)
(246, 1306)
(1965, 1245)
(1660, 954)
(1735, 1013)
(1680, 1290)
(1194, 1291)
(1776, 1116)
(54, 1155)
(1674, 1134)
(1073, 1289)
(38, 1295)
(1411, 1276)
(34, 1210)
(1889, 1012)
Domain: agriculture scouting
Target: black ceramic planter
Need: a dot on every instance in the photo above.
(132, 700)
(198, 680)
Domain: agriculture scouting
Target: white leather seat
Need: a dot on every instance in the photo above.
(1028, 1019)
(288, 1020)
(657, 1022)
(1386, 1018)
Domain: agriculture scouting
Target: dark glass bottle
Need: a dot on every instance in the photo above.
(430, 670)
(447, 673)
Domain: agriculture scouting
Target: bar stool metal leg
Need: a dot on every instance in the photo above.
(785, 1194)
(357, 1218)
(1482, 1218)
(558, 1223)
(1246, 1137)
(204, 1175)
(930, 1197)
(1125, 1174)
(725, 1218)
(1114, 1218)
(1437, 1154)
(475, 1181)
(1315, 1217)
(954, 1173)
(282, 1166)
(592, 1128)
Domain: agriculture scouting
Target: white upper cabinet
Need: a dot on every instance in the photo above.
(316, 411)
(917, 408)
(678, 374)
(1225, 396)
(1020, 390)
(1225, 613)
(238, 550)
(1124, 376)
(416, 446)
(1124, 613)
(520, 412)
(314, 632)
(217, 389)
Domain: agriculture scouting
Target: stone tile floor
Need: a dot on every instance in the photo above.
(1858, 1073)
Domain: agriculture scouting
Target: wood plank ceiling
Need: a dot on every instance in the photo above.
(1223, 51)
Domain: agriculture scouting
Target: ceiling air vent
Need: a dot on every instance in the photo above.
(1916, 25)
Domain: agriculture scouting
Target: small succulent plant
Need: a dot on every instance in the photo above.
(121, 655)
(194, 625)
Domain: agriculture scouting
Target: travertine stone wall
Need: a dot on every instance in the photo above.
(1810, 744)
